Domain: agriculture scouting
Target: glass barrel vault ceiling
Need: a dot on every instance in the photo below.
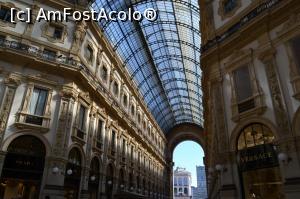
(162, 56)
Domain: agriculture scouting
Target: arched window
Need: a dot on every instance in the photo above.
(75, 157)
(253, 135)
(27, 145)
(257, 162)
(23, 168)
(95, 168)
(73, 173)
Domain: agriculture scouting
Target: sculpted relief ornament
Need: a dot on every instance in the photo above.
(11, 83)
(29, 27)
(79, 34)
(290, 30)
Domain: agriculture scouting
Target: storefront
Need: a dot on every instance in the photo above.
(73, 174)
(23, 168)
(258, 164)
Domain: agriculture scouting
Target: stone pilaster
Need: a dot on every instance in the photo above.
(54, 183)
(11, 83)
(280, 111)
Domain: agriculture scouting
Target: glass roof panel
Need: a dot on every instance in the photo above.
(162, 56)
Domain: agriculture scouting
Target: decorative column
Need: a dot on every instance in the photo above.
(11, 83)
(86, 169)
(55, 169)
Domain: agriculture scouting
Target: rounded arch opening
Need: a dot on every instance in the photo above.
(23, 168)
(73, 173)
(189, 179)
(191, 134)
(257, 161)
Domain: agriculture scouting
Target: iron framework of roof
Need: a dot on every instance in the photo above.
(162, 57)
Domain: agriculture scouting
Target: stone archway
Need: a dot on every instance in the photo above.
(23, 168)
(184, 132)
(178, 134)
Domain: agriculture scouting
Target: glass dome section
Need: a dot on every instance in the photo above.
(162, 56)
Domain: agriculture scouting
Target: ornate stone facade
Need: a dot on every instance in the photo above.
(49, 91)
(255, 36)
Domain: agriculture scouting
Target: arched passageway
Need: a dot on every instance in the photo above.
(177, 135)
(23, 168)
(73, 173)
(184, 132)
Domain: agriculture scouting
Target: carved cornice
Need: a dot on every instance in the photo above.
(13, 79)
(69, 92)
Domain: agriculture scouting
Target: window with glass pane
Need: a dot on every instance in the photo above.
(132, 110)
(185, 191)
(81, 120)
(115, 88)
(125, 100)
(242, 83)
(229, 5)
(104, 73)
(243, 89)
(99, 134)
(139, 118)
(57, 32)
(132, 153)
(113, 137)
(295, 43)
(124, 147)
(253, 135)
(38, 101)
(89, 53)
(5, 14)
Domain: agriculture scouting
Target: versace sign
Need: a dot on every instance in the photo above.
(257, 157)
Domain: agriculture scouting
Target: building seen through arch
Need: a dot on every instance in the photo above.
(182, 181)
(94, 109)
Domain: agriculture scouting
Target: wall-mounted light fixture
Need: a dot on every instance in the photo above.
(55, 170)
(284, 158)
(69, 171)
(93, 178)
(220, 168)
